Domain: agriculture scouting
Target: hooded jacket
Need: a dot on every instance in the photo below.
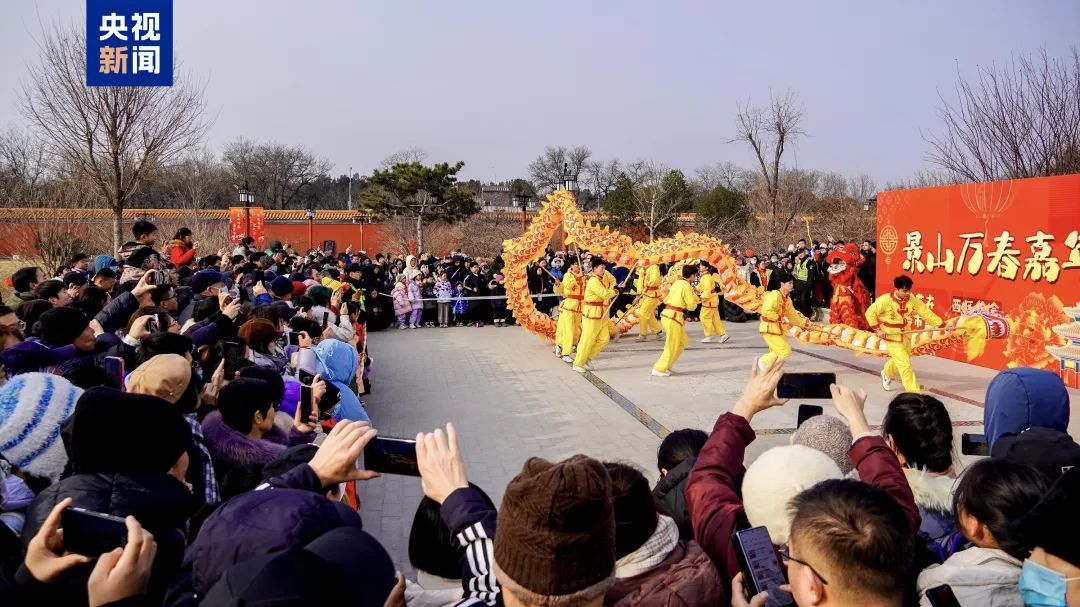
(978, 576)
(400, 295)
(933, 496)
(1018, 399)
(337, 365)
(31, 355)
(670, 492)
(231, 449)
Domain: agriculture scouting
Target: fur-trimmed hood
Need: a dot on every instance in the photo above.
(932, 492)
(231, 448)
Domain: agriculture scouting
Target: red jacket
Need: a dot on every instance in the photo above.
(180, 254)
(713, 493)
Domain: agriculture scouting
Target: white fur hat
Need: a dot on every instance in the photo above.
(33, 406)
(775, 477)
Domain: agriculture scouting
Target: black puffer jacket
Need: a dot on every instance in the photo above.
(669, 494)
(159, 502)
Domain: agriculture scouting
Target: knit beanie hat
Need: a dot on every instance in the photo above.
(61, 326)
(318, 290)
(555, 541)
(165, 376)
(827, 434)
(33, 406)
(119, 432)
(281, 286)
(298, 288)
(775, 477)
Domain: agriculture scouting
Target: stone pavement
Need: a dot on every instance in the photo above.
(510, 399)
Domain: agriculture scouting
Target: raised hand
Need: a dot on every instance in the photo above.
(760, 392)
(442, 470)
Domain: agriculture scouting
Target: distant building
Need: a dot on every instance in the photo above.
(1069, 355)
(499, 198)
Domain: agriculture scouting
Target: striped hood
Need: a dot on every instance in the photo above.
(33, 407)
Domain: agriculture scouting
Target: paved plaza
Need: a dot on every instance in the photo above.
(511, 398)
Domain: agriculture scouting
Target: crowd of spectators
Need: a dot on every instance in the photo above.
(166, 390)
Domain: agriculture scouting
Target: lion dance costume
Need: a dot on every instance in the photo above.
(850, 298)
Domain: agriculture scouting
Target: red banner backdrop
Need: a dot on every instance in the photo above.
(1012, 245)
(247, 220)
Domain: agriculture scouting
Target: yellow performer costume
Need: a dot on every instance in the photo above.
(776, 311)
(568, 331)
(710, 309)
(649, 288)
(890, 316)
(680, 299)
(594, 319)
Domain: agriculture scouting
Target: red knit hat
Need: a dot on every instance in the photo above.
(555, 541)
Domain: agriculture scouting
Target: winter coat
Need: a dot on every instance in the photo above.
(337, 365)
(933, 495)
(238, 456)
(159, 502)
(1018, 399)
(432, 591)
(402, 304)
(410, 272)
(180, 254)
(286, 518)
(670, 492)
(270, 361)
(978, 576)
(461, 305)
(714, 498)
(31, 355)
(685, 576)
(17, 299)
(444, 291)
(415, 296)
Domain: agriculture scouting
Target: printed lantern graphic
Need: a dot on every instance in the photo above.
(987, 201)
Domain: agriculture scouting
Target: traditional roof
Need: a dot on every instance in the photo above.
(1063, 352)
(1068, 330)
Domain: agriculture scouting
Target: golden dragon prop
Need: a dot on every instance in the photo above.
(560, 211)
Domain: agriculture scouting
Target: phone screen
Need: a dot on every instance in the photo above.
(91, 533)
(325, 320)
(305, 377)
(161, 277)
(974, 444)
(761, 567)
(306, 402)
(294, 338)
(805, 385)
(942, 596)
(233, 353)
(808, 411)
(392, 456)
(114, 368)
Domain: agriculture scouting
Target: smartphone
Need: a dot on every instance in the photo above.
(92, 533)
(294, 338)
(232, 353)
(974, 444)
(805, 385)
(761, 566)
(305, 378)
(161, 278)
(114, 368)
(325, 320)
(306, 402)
(808, 411)
(942, 596)
(392, 456)
(159, 323)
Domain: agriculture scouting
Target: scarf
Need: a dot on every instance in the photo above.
(652, 552)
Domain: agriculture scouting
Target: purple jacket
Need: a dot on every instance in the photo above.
(414, 295)
(229, 448)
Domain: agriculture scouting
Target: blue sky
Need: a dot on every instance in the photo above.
(492, 83)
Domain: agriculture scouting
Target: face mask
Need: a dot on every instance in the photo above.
(1041, 587)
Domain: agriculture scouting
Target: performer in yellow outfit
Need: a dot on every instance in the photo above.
(572, 289)
(648, 286)
(710, 307)
(595, 331)
(889, 316)
(777, 310)
(680, 299)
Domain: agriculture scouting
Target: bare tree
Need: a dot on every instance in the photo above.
(195, 179)
(1021, 119)
(546, 171)
(276, 172)
(111, 136)
(23, 167)
(776, 202)
(405, 156)
(727, 174)
(660, 194)
(601, 178)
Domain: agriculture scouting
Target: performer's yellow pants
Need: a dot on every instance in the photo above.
(900, 365)
(674, 344)
(710, 320)
(568, 331)
(594, 336)
(778, 348)
(647, 316)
